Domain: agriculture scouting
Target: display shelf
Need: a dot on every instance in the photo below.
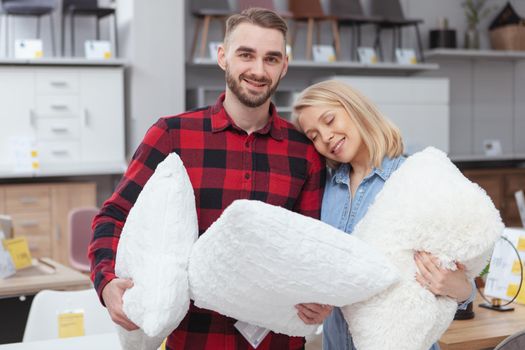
(475, 54)
(59, 61)
(382, 68)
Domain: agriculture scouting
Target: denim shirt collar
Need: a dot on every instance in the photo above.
(342, 173)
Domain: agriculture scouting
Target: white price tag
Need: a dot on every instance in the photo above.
(520, 202)
(253, 334)
(7, 268)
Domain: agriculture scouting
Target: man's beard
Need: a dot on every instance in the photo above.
(248, 99)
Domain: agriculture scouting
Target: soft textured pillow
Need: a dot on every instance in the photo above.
(426, 205)
(153, 251)
(257, 261)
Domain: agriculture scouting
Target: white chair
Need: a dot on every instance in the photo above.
(42, 322)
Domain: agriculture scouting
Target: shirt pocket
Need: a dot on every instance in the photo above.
(283, 187)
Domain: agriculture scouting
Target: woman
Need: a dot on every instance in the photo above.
(362, 150)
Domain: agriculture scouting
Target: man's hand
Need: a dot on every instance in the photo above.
(112, 295)
(313, 313)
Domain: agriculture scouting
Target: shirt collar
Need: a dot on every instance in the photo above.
(388, 165)
(220, 120)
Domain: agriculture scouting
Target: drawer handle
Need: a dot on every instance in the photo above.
(32, 117)
(60, 152)
(59, 129)
(59, 107)
(28, 200)
(59, 83)
(29, 223)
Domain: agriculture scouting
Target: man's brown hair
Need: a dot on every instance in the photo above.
(258, 16)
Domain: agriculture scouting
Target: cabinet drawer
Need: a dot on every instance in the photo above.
(58, 129)
(59, 152)
(66, 106)
(39, 245)
(513, 183)
(493, 186)
(54, 82)
(26, 199)
(32, 223)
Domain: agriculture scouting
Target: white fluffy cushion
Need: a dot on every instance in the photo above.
(257, 261)
(153, 251)
(427, 205)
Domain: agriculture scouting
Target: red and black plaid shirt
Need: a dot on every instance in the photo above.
(276, 165)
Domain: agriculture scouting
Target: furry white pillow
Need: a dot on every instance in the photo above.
(426, 205)
(153, 251)
(257, 261)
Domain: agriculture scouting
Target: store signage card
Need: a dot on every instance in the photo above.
(214, 47)
(71, 324)
(520, 203)
(23, 155)
(504, 275)
(28, 48)
(97, 49)
(253, 334)
(323, 53)
(406, 56)
(7, 268)
(19, 251)
(367, 55)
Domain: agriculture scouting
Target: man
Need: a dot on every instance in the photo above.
(237, 149)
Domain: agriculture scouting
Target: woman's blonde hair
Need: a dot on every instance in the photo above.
(380, 136)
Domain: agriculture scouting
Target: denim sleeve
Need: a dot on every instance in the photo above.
(463, 305)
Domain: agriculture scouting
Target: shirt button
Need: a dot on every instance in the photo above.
(247, 176)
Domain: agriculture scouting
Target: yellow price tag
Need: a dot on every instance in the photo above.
(107, 55)
(34, 153)
(516, 270)
(521, 244)
(35, 165)
(373, 59)
(413, 60)
(19, 250)
(71, 324)
(39, 54)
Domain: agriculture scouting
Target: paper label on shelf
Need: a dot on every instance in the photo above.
(23, 154)
(214, 47)
(253, 334)
(71, 324)
(19, 251)
(28, 48)
(97, 49)
(367, 55)
(492, 147)
(406, 56)
(323, 53)
(520, 203)
(7, 268)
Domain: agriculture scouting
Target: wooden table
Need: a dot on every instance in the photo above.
(44, 274)
(17, 292)
(486, 330)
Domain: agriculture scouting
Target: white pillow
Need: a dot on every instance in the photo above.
(257, 261)
(427, 205)
(153, 251)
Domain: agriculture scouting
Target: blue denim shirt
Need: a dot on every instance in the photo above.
(344, 212)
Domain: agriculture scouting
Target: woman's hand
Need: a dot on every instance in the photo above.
(440, 281)
(312, 313)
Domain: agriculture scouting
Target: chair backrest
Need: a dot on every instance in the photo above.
(198, 6)
(306, 8)
(42, 322)
(80, 235)
(513, 342)
(387, 9)
(346, 7)
(80, 4)
(265, 4)
(19, 5)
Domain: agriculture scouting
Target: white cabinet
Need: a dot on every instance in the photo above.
(72, 115)
(418, 106)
